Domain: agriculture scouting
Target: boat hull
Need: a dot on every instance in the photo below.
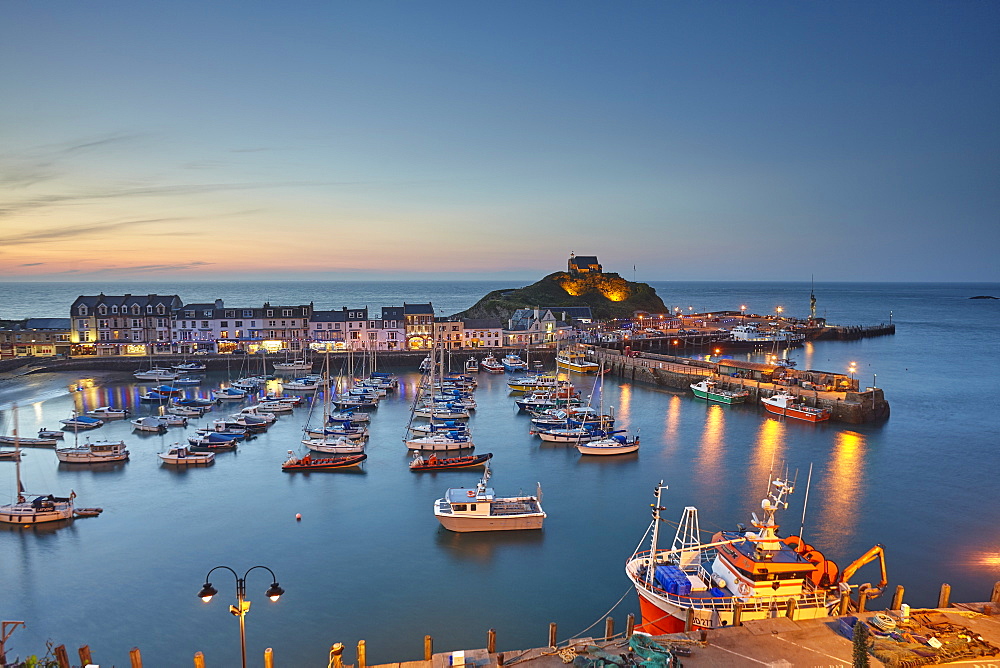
(796, 413)
(445, 463)
(721, 397)
(27, 514)
(491, 523)
(620, 449)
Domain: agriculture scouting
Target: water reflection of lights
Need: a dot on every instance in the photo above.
(672, 420)
(843, 485)
(712, 443)
(766, 453)
(624, 403)
(808, 350)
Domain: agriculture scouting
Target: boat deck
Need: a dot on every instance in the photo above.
(514, 507)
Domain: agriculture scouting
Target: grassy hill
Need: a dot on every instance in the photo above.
(608, 296)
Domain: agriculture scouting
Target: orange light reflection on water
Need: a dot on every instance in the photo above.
(808, 350)
(844, 478)
(766, 455)
(624, 409)
(671, 423)
(709, 464)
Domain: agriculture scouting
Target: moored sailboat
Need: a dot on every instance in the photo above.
(41, 508)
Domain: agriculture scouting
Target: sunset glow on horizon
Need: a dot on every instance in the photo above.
(677, 142)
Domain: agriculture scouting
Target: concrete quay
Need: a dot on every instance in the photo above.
(777, 642)
(852, 406)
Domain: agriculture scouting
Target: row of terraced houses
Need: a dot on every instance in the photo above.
(107, 325)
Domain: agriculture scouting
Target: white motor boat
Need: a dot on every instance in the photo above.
(156, 373)
(179, 455)
(108, 413)
(480, 509)
(94, 452)
(334, 445)
(149, 423)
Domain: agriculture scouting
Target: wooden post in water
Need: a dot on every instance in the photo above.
(85, 655)
(630, 625)
(862, 600)
(491, 641)
(337, 652)
(897, 598)
(62, 658)
(362, 654)
(738, 613)
(135, 656)
(790, 608)
(845, 603)
(553, 632)
(609, 628)
(268, 658)
(944, 599)
(688, 620)
(995, 597)
(199, 660)
(428, 648)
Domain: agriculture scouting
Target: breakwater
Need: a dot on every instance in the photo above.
(852, 406)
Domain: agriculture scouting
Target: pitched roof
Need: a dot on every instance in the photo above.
(47, 323)
(418, 309)
(482, 323)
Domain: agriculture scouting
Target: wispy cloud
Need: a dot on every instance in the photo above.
(31, 264)
(15, 207)
(70, 232)
(180, 266)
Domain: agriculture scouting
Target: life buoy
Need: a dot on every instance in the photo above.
(744, 588)
(471, 493)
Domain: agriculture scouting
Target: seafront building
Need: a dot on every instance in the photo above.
(482, 333)
(122, 325)
(35, 337)
(162, 324)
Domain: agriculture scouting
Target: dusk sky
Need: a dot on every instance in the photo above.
(854, 141)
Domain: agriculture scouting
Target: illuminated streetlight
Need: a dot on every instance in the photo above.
(242, 606)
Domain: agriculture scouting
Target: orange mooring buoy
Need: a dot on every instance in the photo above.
(298, 517)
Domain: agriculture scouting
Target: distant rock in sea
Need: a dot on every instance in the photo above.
(984, 297)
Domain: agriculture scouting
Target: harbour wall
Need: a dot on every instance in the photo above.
(850, 407)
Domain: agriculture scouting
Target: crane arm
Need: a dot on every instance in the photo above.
(876, 552)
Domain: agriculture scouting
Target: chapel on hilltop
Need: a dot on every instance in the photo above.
(583, 264)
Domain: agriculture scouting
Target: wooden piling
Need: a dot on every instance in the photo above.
(688, 620)
(337, 653)
(362, 654)
(790, 608)
(862, 601)
(135, 656)
(268, 658)
(85, 655)
(428, 648)
(897, 598)
(630, 625)
(845, 603)
(553, 632)
(738, 614)
(944, 598)
(199, 660)
(995, 597)
(62, 657)
(609, 628)
(491, 641)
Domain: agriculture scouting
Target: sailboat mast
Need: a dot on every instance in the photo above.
(17, 455)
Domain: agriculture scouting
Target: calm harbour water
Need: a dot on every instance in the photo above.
(368, 560)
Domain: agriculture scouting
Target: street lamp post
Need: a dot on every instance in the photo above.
(242, 606)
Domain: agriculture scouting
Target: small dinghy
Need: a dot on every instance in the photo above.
(435, 463)
(310, 463)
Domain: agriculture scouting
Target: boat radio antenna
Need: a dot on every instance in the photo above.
(805, 502)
